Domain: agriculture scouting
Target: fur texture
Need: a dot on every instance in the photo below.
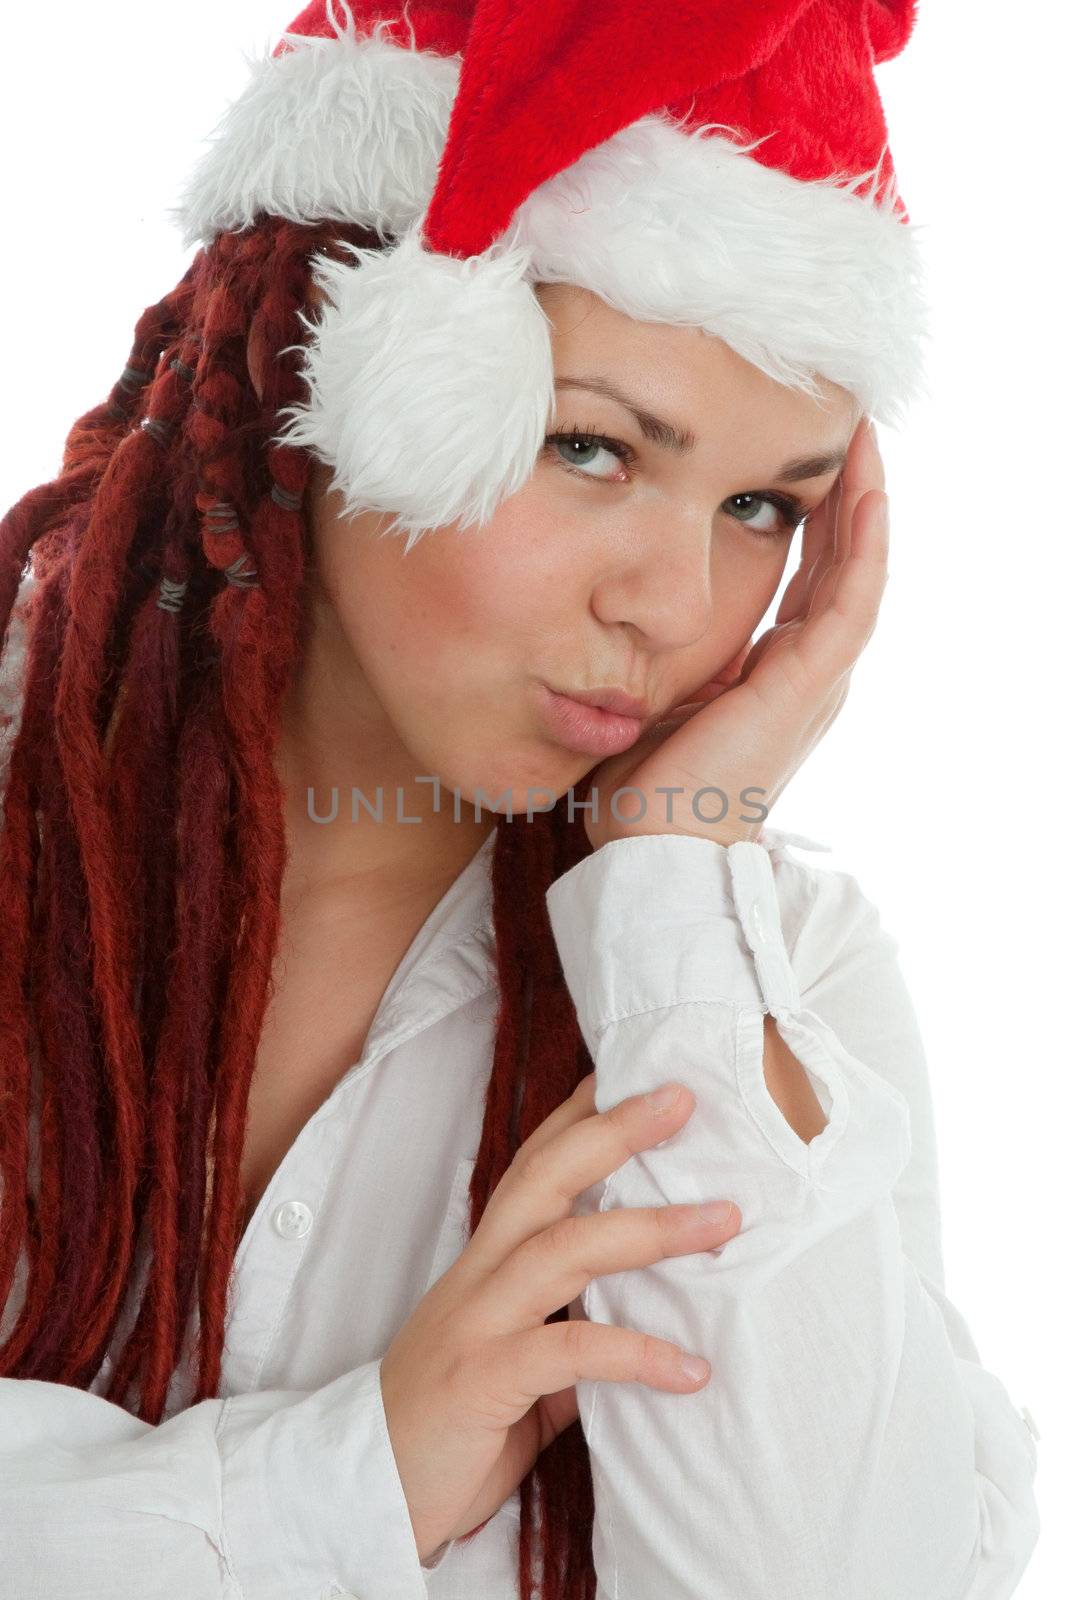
(430, 378)
(429, 373)
(799, 278)
(430, 383)
(350, 127)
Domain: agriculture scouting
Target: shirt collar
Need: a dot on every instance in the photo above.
(465, 907)
(452, 957)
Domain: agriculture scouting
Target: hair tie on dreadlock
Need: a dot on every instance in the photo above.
(171, 595)
(133, 378)
(222, 537)
(162, 431)
(243, 580)
(179, 366)
(285, 499)
(222, 517)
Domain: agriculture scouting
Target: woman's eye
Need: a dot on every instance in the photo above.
(785, 514)
(587, 454)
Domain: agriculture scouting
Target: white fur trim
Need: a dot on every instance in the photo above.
(800, 278)
(351, 127)
(429, 378)
(430, 382)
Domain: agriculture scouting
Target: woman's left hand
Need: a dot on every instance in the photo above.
(754, 733)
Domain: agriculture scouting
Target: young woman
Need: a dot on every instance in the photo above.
(377, 1014)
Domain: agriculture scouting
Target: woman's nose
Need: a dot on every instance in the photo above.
(661, 582)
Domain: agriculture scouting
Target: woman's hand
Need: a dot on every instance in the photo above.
(753, 734)
(475, 1385)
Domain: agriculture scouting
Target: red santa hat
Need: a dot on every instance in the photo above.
(720, 164)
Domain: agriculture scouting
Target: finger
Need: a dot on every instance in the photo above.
(863, 471)
(559, 1263)
(875, 460)
(580, 1103)
(861, 584)
(545, 1178)
(830, 558)
(542, 1360)
(831, 641)
(816, 552)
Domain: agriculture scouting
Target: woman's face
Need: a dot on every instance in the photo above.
(638, 564)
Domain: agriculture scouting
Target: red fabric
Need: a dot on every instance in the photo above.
(440, 25)
(542, 81)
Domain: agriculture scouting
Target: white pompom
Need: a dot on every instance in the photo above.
(430, 382)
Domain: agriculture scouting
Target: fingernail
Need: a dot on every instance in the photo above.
(661, 1100)
(718, 1211)
(694, 1368)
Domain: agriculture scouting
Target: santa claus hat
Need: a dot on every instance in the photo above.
(720, 164)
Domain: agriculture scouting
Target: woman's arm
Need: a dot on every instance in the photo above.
(277, 1495)
(849, 1444)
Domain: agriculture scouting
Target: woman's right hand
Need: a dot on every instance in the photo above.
(474, 1384)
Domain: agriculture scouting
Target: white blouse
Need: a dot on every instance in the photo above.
(849, 1444)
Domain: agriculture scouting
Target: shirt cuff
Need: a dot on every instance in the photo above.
(672, 949)
(311, 1494)
(663, 919)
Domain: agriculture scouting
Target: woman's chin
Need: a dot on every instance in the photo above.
(528, 786)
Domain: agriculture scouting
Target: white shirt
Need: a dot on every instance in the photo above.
(849, 1444)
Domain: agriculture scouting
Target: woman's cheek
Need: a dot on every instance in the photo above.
(745, 579)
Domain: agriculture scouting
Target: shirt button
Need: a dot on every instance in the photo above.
(292, 1219)
(1030, 1423)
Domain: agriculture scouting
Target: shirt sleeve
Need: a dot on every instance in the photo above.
(849, 1440)
(276, 1495)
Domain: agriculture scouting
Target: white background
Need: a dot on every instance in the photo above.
(937, 784)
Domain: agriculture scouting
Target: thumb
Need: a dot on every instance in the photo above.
(558, 1411)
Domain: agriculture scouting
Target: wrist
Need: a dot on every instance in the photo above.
(605, 825)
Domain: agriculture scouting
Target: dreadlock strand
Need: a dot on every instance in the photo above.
(254, 622)
(192, 986)
(173, 496)
(94, 592)
(69, 1060)
(19, 856)
(143, 761)
(155, 658)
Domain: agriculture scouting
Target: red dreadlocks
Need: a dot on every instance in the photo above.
(142, 848)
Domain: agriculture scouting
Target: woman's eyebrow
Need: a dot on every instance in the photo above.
(812, 466)
(683, 442)
(655, 428)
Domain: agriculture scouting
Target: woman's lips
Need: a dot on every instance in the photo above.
(586, 729)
